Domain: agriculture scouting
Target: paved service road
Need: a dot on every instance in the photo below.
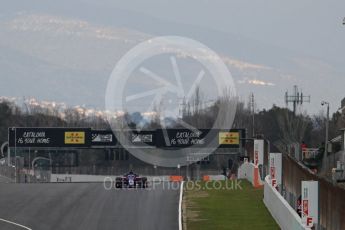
(88, 206)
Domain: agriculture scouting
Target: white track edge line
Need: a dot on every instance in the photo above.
(180, 207)
(19, 225)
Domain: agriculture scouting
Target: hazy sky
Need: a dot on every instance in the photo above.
(53, 49)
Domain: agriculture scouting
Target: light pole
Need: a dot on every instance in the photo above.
(252, 104)
(326, 136)
(15, 155)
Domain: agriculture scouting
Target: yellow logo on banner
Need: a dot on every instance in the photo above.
(229, 138)
(75, 138)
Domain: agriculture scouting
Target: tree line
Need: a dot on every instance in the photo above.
(279, 125)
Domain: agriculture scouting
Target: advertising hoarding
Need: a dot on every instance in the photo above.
(310, 203)
(258, 152)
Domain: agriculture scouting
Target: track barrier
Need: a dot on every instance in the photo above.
(176, 178)
(213, 177)
(285, 216)
(250, 172)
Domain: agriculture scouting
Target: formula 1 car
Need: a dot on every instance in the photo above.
(131, 180)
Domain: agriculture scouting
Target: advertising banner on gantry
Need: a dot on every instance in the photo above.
(275, 168)
(229, 138)
(199, 138)
(40, 137)
(103, 138)
(258, 152)
(75, 138)
(49, 137)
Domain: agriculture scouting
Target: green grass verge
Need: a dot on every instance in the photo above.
(226, 208)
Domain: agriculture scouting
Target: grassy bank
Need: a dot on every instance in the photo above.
(221, 206)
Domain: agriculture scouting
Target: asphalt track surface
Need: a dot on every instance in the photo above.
(88, 206)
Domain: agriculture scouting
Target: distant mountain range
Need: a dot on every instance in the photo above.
(69, 59)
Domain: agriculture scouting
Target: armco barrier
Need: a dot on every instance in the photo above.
(251, 173)
(213, 178)
(176, 178)
(78, 178)
(281, 211)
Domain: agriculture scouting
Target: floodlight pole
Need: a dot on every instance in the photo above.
(252, 102)
(326, 135)
(15, 155)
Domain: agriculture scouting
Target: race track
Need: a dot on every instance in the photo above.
(87, 206)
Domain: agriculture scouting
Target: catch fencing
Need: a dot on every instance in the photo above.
(7, 171)
(18, 175)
